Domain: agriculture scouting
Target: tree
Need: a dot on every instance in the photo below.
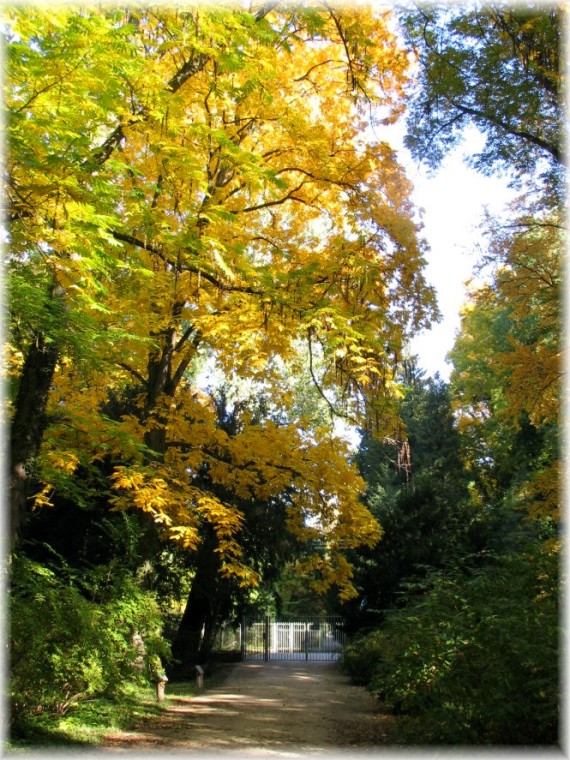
(508, 368)
(213, 598)
(439, 658)
(59, 258)
(423, 508)
(497, 68)
(198, 181)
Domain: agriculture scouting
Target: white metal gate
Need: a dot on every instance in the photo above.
(315, 638)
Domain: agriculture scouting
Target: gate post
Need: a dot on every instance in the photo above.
(266, 639)
(243, 634)
(307, 641)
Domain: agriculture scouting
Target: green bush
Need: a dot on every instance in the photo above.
(363, 655)
(474, 660)
(72, 638)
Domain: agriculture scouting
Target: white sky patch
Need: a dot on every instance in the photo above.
(453, 202)
(347, 432)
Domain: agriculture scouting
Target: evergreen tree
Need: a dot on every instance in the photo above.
(422, 508)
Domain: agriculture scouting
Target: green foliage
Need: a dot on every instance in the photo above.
(72, 639)
(363, 656)
(466, 650)
(497, 68)
(423, 510)
(474, 659)
(89, 723)
(507, 374)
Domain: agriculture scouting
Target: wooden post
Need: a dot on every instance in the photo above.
(199, 677)
(161, 682)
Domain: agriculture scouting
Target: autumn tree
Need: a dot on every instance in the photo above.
(439, 659)
(499, 69)
(508, 367)
(214, 598)
(205, 181)
(56, 272)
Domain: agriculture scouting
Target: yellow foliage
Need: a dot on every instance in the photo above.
(508, 358)
(238, 211)
(43, 498)
(65, 461)
(542, 495)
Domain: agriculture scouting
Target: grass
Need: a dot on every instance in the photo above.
(87, 723)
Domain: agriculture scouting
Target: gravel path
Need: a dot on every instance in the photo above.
(274, 708)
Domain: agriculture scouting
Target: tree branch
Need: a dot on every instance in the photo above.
(353, 80)
(251, 465)
(185, 337)
(339, 182)
(142, 380)
(277, 202)
(334, 412)
(265, 9)
(137, 243)
(509, 129)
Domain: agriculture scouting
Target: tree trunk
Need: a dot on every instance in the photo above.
(193, 640)
(28, 426)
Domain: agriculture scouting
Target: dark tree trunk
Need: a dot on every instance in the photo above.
(164, 378)
(194, 637)
(28, 425)
(187, 644)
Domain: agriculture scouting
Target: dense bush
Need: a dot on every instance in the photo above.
(474, 660)
(72, 638)
(364, 654)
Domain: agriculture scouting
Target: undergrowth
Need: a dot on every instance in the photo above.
(89, 722)
(473, 660)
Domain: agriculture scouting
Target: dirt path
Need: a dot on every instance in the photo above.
(275, 708)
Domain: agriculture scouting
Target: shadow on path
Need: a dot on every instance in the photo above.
(283, 708)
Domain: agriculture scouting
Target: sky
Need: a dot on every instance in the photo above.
(453, 202)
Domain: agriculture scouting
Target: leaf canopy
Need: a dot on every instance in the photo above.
(208, 180)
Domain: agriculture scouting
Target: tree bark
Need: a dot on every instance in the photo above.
(28, 426)
(193, 640)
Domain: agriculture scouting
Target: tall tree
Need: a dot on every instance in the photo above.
(214, 598)
(434, 658)
(422, 506)
(64, 72)
(508, 367)
(202, 180)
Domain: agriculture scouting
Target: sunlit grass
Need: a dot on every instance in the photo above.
(87, 723)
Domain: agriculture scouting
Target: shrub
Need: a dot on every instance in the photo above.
(72, 640)
(475, 659)
(363, 655)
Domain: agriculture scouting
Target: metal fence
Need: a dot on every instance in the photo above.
(315, 638)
